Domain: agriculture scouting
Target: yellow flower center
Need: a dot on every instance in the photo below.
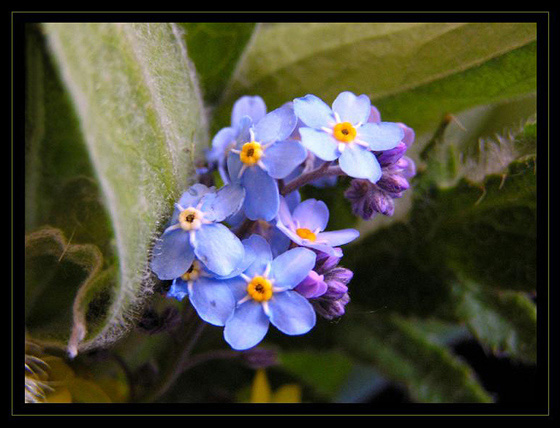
(193, 273)
(344, 132)
(306, 234)
(251, 153)
(260, 289)
(190, 219)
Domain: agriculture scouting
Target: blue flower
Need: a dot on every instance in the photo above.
(252, 106)
(305, 226)
(263, 154)
(195, 230)
(209, 294)
(344, 133)
(264, 294)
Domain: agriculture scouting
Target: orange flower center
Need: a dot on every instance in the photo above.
(344, 132)
(306, 234)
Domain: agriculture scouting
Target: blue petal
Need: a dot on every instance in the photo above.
(247, 326)
(261, 194)
(311, 214)
(227, 201)
(338, 237)
(321, 144)
(251, 248)
(179, 289)
(254, 107)
(212, 300)
(381, 136)
(293, 199)
(194, 194)
(292, 267)
(351, 108)
(277, 125)
(313, 111)
(237, 287)
(284, 214)
(360, 163)
(279, 242)
(218, 248)
(220, 142)
(191, 198)
(291, 313)
(282, 157)
(234, 166)
(291, 234)
(258, 246)
(172, 255)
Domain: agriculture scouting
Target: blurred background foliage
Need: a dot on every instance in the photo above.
(117, 116)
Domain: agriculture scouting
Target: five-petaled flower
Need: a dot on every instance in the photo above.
(264, 294)
(344, 133)
(195, 231)
(263, 154)
(305, 226)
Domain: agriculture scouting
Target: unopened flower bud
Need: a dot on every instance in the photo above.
(312, 286)
(325, 262)
(393, 183)
(389, 157)
(331, 309)
(369, 199)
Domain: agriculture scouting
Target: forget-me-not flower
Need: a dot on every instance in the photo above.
(305, 225)
(195, 230)
(263, 154)
(344, 133)
(252, 106)
(264, 294)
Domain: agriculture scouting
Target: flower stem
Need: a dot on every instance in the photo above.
(323, 171)
(175, 367)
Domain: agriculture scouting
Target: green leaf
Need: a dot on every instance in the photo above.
(414, 72)
(324, 371)
(54, 271)
(503, 321)
(403, 353)
(141, 116)
(215, 48)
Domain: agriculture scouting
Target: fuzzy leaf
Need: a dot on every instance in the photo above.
(414, 72)
(141, 115)
(403, 353)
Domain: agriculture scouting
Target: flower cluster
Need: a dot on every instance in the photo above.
(252, 253)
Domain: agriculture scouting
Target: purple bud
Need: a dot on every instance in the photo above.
(331, 309)
(393, 182)
(260, 358)
(312, 286)
(325, 262)
(409, 134)
(339, 274)
(368, 199)
(408, 167)
(389, 157)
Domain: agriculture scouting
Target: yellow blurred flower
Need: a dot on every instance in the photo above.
(261, 391)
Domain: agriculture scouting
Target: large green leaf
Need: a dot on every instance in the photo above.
(414, 72)
(402, 352)
(141, 115)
